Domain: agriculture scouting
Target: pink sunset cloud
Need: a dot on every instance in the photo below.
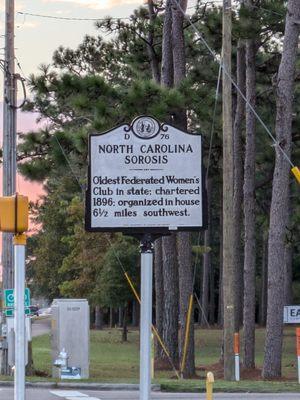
(25, 123)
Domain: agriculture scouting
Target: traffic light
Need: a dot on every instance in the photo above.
(14, 213)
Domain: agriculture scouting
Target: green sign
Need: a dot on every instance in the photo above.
(9, 298)
(10, 312)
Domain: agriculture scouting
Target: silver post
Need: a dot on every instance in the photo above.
(146, 316)
(237, 367)
(19, 373)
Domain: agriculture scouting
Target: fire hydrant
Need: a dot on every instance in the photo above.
(62, 360)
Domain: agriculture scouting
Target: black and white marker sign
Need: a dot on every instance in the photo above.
(144, 177)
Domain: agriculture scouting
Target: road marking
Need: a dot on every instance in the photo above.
(68, 393)
(85, 398)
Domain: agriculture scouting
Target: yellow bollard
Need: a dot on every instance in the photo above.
(152, 356)
(209, 385)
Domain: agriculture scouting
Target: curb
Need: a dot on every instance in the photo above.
(82, 386)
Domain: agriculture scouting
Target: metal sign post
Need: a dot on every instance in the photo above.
(19, 373)
(146, 316)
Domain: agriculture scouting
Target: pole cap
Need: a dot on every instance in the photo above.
(210, 377)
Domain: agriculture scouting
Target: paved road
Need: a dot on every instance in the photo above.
(41, 326)
(46, 394)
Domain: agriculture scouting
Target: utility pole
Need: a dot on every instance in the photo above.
(228, 193)
(9, 150)
(9, 135)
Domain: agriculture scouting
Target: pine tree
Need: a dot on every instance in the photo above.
(280, 193)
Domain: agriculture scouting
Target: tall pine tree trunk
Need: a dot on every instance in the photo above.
(170, 267)
(167, 72)
(171, 306)
(238, 183)
(154, 61)
(288, 274)
(159, 295)
(280, 193)
(288, 266)
(124, 323)
(185, 271)
(111, 317)
(249, 208)
(206, 260)
(135, 313)
(212, 302)
(98, 317)
(264, 282)
(120, 316)
(184, 247)
(205, 282)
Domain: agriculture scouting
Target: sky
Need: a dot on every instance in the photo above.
(36, 38)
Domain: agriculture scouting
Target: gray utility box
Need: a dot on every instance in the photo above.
(70, 330)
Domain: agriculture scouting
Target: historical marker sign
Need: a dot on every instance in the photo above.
(145, 177)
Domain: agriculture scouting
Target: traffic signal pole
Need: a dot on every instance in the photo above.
(20, 333)
(14, 212)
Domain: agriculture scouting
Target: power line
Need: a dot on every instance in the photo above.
(220, 62)
(20, 68)
(69, 163)
(55, 17)
(268, 10)
(69, 18)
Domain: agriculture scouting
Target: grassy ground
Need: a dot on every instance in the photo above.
(113, 361)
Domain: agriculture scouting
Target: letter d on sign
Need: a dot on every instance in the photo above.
(126, 136)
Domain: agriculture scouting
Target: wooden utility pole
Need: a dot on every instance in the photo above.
(228, 193)
(9, 135)
(9, 148)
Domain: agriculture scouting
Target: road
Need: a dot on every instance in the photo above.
(46, 394)
(41, 326)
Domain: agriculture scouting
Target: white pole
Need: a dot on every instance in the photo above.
(146, 317)
(19, 375)
(298, 369)
(236, 345)
(237, 367)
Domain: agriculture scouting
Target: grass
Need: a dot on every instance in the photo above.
(232, 387)
(114, 361)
